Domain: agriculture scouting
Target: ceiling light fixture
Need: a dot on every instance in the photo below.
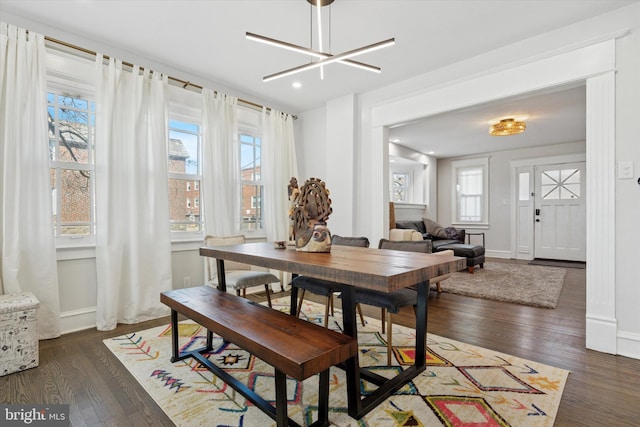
(305, 50)
(323, 57)
(507, 127)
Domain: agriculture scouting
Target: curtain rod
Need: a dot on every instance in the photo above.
(184, 83)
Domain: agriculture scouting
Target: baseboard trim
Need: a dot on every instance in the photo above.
(498, 254)
(629, 344)
(77, 320)
(601, 334)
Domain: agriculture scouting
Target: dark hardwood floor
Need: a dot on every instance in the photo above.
(602, 389)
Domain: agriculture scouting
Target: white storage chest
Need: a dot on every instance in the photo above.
(18, 332)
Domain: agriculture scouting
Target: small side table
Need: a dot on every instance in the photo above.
(468, 237)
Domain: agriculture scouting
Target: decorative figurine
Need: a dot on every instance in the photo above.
(309, 216)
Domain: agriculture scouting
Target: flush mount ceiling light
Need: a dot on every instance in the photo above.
(322, 58)
(507, 127)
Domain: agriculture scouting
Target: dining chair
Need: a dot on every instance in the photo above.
(391, 302)
(238, 276)
(448, 254)
(327, 288)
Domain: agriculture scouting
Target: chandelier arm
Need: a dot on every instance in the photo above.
(305, 50)
(332, 59)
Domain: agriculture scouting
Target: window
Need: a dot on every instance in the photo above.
(470, 188)
(560, 184)
(400, 186)
(184, 176)
(251, 184)
(523, 186)
(71, 120)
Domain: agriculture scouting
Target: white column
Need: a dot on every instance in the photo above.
(379, 213)
(601, 323)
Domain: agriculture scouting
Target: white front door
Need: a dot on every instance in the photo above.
(560, 212)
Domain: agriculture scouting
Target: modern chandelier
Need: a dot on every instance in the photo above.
(322, 58)
(507, 127)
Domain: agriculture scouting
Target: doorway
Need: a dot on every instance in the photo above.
(549, 208)
(594, 64)
(560, 212)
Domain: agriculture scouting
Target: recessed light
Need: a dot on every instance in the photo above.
(297, 85)
(431, 152)
(394, 140)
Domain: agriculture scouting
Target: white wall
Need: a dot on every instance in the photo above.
(627, 191)
(498, 236)
(325, 140)
(339, 149)
(311, 136)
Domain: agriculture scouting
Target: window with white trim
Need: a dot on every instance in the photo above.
(400, 186)
(71, 120)
(184, 175)
(470, 179)
(251, 203)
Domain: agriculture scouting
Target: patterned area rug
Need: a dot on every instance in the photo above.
(463, 385)
(522, 284)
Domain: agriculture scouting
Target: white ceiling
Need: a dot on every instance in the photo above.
(552, 118)
(205, 39)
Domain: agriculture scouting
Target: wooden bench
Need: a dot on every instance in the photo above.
(292, 346)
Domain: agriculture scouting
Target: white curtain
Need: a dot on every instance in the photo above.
(28, 245)
(221, 170)
(278, 166)
(133, 248)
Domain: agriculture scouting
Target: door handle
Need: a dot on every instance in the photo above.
(537, 219)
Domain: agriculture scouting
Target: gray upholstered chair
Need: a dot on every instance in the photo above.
(326, 288)
(392, 302)
(238, 276)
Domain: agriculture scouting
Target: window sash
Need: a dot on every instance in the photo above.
(73, 212)
(185, 216)
(251, 202)
(470, 191)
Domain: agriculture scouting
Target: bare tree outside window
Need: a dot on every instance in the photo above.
(71, 121)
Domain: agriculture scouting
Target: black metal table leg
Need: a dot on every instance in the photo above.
(421, 325)
(358, 406)
(209, 346)
(174, 337)
(352, 365)
(293, 308)
(222, 281)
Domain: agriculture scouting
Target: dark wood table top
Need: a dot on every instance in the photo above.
(379, 269)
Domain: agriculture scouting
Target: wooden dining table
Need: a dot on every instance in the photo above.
(352, 267)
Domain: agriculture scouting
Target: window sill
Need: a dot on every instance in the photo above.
(471, 226)
(87, 250)
(68, 252)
